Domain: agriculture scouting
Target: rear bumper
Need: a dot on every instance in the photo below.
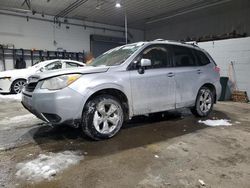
(218, 90)
(56, 107)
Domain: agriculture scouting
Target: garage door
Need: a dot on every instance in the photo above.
(100, 44)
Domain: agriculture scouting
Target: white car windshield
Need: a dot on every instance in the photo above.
(43, 63)
(116, 56)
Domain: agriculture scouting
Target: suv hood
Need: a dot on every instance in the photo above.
(82, 70)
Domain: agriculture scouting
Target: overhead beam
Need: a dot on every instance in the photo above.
(70, 8)
(27, 2)
(154, 20)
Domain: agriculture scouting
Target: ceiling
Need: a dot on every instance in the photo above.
(140, 13)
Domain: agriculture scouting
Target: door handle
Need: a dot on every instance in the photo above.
(170, 74)
(199, 71)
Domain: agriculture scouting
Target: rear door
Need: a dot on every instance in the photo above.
(187, 75)
(154, 90)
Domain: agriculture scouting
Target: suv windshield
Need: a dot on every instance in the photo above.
(115, 56)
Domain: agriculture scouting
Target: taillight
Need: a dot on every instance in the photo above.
(217, 69)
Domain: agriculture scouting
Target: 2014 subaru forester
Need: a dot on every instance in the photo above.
(130, 80)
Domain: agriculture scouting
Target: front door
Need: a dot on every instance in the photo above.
(154, 90)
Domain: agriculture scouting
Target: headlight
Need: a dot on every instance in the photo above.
(59, 82)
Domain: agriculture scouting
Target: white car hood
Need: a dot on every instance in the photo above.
(82, 70)
(20, 73)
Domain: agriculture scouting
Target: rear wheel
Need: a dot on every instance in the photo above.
(204, 102)
(102, 117)
(17, 86)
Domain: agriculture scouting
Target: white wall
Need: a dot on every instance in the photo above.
(41, 34)
(236, 50)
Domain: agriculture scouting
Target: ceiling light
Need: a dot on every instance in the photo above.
(118, 4)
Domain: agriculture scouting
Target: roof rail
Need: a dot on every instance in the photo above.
(159, 40)
(193, 43)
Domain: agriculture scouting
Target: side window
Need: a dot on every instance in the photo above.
(183, 57)
(202, 58)
(53, 66)
(159, 56)
(72, 65)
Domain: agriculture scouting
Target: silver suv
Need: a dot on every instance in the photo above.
(130, 80)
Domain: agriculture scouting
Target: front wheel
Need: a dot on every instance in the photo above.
(102, 117)
(204, 102)
(17, 86)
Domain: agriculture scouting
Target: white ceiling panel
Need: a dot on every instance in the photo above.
(139, 12)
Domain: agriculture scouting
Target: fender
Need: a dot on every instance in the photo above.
(93, 90)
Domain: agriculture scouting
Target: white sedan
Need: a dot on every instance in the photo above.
(13, 81)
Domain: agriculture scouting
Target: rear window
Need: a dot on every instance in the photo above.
(183, 57)
(202, 58)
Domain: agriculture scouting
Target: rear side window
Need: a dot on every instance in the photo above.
(183, 57)
(202, 58)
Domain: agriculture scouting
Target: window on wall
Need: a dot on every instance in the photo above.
(183, 57)
(159, 56)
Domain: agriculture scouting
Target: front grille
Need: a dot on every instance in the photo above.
(31, 86)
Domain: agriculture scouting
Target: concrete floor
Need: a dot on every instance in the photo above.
(175, 151)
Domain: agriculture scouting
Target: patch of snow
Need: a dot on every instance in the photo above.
(7, 98)
(17, 119)
(202, 182)
(215, 123)
(156, 156)
(45, 167)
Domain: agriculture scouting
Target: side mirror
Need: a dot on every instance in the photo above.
(145, 62)
(41, 69)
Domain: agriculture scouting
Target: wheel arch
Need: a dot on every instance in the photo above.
(16, 79)
(120, 95)
(213, 89)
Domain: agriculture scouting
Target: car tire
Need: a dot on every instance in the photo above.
(17, 86)
(204, 102)
(102, 117)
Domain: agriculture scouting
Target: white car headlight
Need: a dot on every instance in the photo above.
(59, 82)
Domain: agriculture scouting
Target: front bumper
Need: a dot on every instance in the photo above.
(56, 107)
(5, 85)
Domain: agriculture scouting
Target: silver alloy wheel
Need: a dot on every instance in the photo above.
(107, 117)
(205, 100)
(18, 86)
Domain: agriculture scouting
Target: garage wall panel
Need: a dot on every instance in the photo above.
(236, 50)
(41, 34)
